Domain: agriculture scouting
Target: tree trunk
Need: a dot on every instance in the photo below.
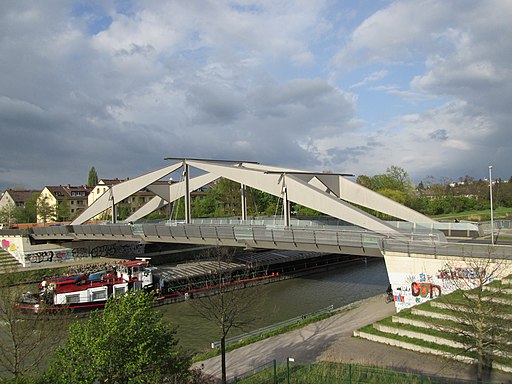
(223, 358)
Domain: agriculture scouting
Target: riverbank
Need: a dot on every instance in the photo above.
(331, 340)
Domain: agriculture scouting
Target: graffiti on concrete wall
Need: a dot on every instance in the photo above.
(8, 246)
(417, 281)
(49, 256)
(117, 250)
(80, 252)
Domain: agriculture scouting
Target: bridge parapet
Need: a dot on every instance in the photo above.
(444, 250)
(341, 239)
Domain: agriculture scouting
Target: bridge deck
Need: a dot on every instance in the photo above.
(340, 239)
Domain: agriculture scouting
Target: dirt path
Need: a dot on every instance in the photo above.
(331, 340)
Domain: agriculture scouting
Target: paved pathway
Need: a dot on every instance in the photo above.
(332, 340)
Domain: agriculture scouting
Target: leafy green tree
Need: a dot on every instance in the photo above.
(63, 212)
(92, 180)
(7, 213)
(303, 211)
(45, 211)
(365, 181)
(126, 343)
(27, 213)
(229, 193)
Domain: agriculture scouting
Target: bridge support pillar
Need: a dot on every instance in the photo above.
(243, 192)
(113, 208)
(286, 204)
(187, 192)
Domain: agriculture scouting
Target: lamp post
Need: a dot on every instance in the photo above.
(490, 197)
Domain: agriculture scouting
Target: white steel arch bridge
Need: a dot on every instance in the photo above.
(331, 194)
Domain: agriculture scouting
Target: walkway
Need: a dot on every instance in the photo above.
(331, 340)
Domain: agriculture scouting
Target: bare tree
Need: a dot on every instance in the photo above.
(26, 339)
(482, 325)
(228, 306)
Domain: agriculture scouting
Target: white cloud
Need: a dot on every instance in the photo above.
(249, 80)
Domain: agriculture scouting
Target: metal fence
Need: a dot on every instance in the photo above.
(259, 331)
(332, 373)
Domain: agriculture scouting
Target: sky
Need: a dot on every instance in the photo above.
(352, 86)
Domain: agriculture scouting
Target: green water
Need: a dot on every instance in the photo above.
(280, 301)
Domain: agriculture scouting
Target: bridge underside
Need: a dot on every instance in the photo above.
(332, 194)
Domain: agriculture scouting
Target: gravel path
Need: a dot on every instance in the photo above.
(331, 340)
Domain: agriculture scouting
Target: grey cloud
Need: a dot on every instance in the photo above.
(439, 135)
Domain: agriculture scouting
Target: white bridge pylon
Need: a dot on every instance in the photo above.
(331, 194)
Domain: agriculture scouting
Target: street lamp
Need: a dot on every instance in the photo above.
(490, 196)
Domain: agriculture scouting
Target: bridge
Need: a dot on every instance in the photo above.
(351, 230)
(414, 246)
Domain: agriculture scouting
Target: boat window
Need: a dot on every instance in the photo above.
(119, 290)
(72, 299)
(99, 295)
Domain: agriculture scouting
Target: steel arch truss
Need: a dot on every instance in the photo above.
(330, 194)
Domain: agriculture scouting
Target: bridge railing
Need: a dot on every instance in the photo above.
(343, 236)
(435, 249)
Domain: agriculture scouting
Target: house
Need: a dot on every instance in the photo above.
(125, 207)
(61, 202)
(13, 198)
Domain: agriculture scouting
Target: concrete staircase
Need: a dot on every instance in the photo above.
(8, 262)
(430, 328)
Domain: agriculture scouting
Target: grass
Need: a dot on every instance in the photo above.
(30, 276)
(477, 215)
(332, 373)
(427, 344)
(439, 327)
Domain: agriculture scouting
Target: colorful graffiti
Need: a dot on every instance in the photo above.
(450, 273)
(49, 256)
(425, 290)
(8, 246)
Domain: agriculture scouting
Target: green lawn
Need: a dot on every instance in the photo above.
(482, 215)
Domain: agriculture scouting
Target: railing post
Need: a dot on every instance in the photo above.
(275, 371)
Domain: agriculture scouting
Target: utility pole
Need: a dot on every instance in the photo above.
(490, 197)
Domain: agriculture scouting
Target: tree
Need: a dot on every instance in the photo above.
(25, 340)
(45, 211)
(228, 307)
(126, 343)
(92, 180)
(229, 193)
(27, 213)
(7, 213)
(478, 309)
(63, 212)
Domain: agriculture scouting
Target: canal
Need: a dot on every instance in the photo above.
(286, 299)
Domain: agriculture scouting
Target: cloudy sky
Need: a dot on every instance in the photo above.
(347, 86)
